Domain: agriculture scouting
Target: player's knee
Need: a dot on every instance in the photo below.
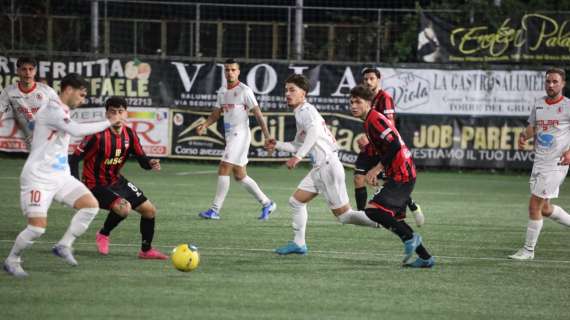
(294, 203)
(87, 201)
(359, 180)
(149, 211)
(121, 207)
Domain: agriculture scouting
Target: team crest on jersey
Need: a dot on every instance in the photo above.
(39, 96)
(559, 110)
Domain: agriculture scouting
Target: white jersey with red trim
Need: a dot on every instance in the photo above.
(236, 103)
(24, 104)
(552, 131)
(50, 142)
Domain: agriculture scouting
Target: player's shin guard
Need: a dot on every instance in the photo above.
(300, 217)
(25, 240)
(147, 233)
(221, 192)
(251, 186)
(560, 216)
(79, 224)
(361, 195)
(358, 218)
(387, 220)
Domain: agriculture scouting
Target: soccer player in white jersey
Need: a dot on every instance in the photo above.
(235, 101)
(314, 139)
(46, 175)
(24, 98)
(549, 125)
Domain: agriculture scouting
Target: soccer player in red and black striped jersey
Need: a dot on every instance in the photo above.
(103, 155)
(368, 157)
(388, 206)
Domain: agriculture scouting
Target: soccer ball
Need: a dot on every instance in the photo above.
(185, 257)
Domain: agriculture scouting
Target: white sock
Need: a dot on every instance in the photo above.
(532, 232)
(560, 216)
(251, 186)
(25, 240)
(358, 218)
(78, 225)
(300, 217)
(221, 192)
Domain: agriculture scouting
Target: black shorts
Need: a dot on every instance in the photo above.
(393, 197)
(365, 162)
(106, 195)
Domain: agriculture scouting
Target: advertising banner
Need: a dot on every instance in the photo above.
(532, 37)
(151, 126)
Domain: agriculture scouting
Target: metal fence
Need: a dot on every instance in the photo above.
(206, 31)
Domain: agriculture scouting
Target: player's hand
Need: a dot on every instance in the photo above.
(201, 129)
(565, 159)
(362, 142)
(372, 175)
(155, 164)
(522, 141)
(270, 145)
(292, 162)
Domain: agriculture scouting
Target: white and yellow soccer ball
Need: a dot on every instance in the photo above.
(185, 257)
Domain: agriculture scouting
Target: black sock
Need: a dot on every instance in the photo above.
(389, 222)
(147, 233)
(111, 222)
(412, 204)
(420, 250)
(361, 196)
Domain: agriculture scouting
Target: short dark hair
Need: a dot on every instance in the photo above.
(74, 80)
(363, 92)
(559, 71)
(299, 80)
(115, 102)
(231, 61)
(372, 70)
(26, 60)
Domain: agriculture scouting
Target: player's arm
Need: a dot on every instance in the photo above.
(212, 118)
(4, 103)
(389, 109)
(527, 134)
(259, 116)
(87, 146)
(137, 150)
(58, 119)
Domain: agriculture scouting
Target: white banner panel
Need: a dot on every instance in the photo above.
(151, 126)
(465, 92)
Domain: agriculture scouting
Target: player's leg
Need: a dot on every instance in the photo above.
(361, 167)
(416, 212)
(222, 188)
(425, 259)
(110, 198)
(268, 206)
(330, 181)
(74, 194)
(555, 212)
(543, 186)
(147, 223)
(306, 191)
(34, 201)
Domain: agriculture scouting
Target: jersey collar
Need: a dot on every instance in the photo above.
(24, 90)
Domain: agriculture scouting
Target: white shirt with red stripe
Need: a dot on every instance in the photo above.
(236, 102)
(50, 142)
(551, 120)
(24, 104)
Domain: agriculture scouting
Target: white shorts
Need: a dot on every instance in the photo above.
(546, 184)
(237, 147)
(36, 198)
(328, 180)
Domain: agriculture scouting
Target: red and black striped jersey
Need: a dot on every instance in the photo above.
(384, 104)
(104, 154)
(386, 141)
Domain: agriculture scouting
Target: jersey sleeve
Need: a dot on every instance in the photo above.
(86, 148)
(532, 117)
(218, 103)
(249, 98)
(60, 119)
(137, 150)
(389, 108)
